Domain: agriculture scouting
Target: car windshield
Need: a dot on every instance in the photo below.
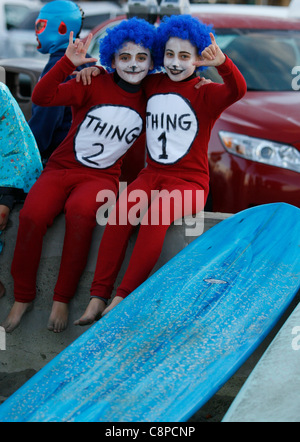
(29, 22)
(14, 15)
(265, 57)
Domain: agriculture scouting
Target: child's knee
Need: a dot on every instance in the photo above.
(81, 217)
(33, 218)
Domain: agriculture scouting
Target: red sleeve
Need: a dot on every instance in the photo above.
(51, 89)
(220, 96)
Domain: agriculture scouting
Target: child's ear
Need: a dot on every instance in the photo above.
(151, 65)
(113, 63)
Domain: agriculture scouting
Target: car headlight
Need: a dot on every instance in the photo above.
(261, 151)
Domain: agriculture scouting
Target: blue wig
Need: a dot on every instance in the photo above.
(185, 27)
(134, 30)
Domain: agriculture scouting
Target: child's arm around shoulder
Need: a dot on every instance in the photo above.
(85, 75)
(50, 90)
(221, 96)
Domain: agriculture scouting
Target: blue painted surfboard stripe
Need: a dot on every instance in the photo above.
(166, 349)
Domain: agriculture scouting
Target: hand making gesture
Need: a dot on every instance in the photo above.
(77, 50)
(212, 55)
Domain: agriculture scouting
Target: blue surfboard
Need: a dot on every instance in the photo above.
(164, 351)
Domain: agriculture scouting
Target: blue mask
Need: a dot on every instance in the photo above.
(54, 24)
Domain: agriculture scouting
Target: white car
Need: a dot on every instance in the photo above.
(294, 9)
(21, 41)
(241, 9)
(12, 13)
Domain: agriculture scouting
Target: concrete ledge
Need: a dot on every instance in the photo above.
(31, 346)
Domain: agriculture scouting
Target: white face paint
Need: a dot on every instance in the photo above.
(179, 58)
(132, 62)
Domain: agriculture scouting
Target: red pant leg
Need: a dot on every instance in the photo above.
(189, 200)
(44, 202)
(80, 213)
(116, 236)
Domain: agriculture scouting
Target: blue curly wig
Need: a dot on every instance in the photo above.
(185, 27)
(135, 30)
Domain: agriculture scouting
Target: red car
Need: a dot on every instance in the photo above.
(254, 152)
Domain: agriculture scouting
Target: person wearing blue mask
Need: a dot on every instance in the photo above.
(53, 26)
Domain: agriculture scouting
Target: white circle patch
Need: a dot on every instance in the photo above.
(105, 135)
(172, 127)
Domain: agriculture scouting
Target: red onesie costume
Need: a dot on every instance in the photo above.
(179, 120)
(87, 161)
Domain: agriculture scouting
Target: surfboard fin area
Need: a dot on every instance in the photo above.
(163, 352)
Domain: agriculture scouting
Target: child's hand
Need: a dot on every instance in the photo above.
(4, 214)
(77, 50)
(86, 74)
(202, 82)
(212, 55)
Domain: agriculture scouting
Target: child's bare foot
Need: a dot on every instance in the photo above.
(92, 313)
(14, 318)
(114, 303)
(58, 320)
(2, 290)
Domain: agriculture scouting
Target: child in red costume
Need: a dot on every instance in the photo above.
(107, 118)
(179, 121)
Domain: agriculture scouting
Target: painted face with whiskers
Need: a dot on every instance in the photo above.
(132, 63)
(179, 58)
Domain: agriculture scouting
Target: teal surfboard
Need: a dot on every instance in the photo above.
(164, 351)
(272, 391)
